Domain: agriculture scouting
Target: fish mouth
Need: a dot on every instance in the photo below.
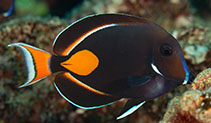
(186, 80)
(189, 77)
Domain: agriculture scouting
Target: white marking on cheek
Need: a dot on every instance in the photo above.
(156, 69)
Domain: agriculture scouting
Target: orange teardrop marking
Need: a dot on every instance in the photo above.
(82, 63)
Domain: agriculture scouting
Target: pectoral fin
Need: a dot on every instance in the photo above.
(134, 81)
(131, 106)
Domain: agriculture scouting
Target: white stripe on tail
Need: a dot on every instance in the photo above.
(37, 62)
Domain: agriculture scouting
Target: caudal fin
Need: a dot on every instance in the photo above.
(37, 62)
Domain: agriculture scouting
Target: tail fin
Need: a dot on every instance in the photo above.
(37, 62)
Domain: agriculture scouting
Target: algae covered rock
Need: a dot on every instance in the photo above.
(196, 45)
(42, 103)
(29, 104)
(194, 106)
(167, 13)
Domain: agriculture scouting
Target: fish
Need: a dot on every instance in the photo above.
(103, 58)
(6, 7)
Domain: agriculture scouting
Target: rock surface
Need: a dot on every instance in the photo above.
(194, 106)
(42, 103)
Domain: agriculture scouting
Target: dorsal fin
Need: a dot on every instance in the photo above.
(72, 35)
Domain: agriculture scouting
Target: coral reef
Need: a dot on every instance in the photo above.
(42, 103)
(202, 81)
(194, 106)
(196, 44)
(27, 104)
(175, 12)
(39, 103)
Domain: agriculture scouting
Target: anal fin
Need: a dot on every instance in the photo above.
(131, 106)
(81, 95)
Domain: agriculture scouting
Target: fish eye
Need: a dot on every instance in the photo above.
(166, 50)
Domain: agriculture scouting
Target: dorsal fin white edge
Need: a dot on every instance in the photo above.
(91, 32)
(70, 26)
(131, 110)
(87, 34)
(29, 62)
(88, 16)
(84, 36)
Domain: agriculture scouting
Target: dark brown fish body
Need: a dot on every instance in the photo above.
(127, 53)
(103, 58)
(6, 7)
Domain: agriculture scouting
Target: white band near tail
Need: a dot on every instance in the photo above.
(30, 62)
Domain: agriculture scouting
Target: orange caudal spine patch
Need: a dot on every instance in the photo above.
(41, 60)
(82, 63)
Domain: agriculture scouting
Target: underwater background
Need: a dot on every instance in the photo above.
(37, 22)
